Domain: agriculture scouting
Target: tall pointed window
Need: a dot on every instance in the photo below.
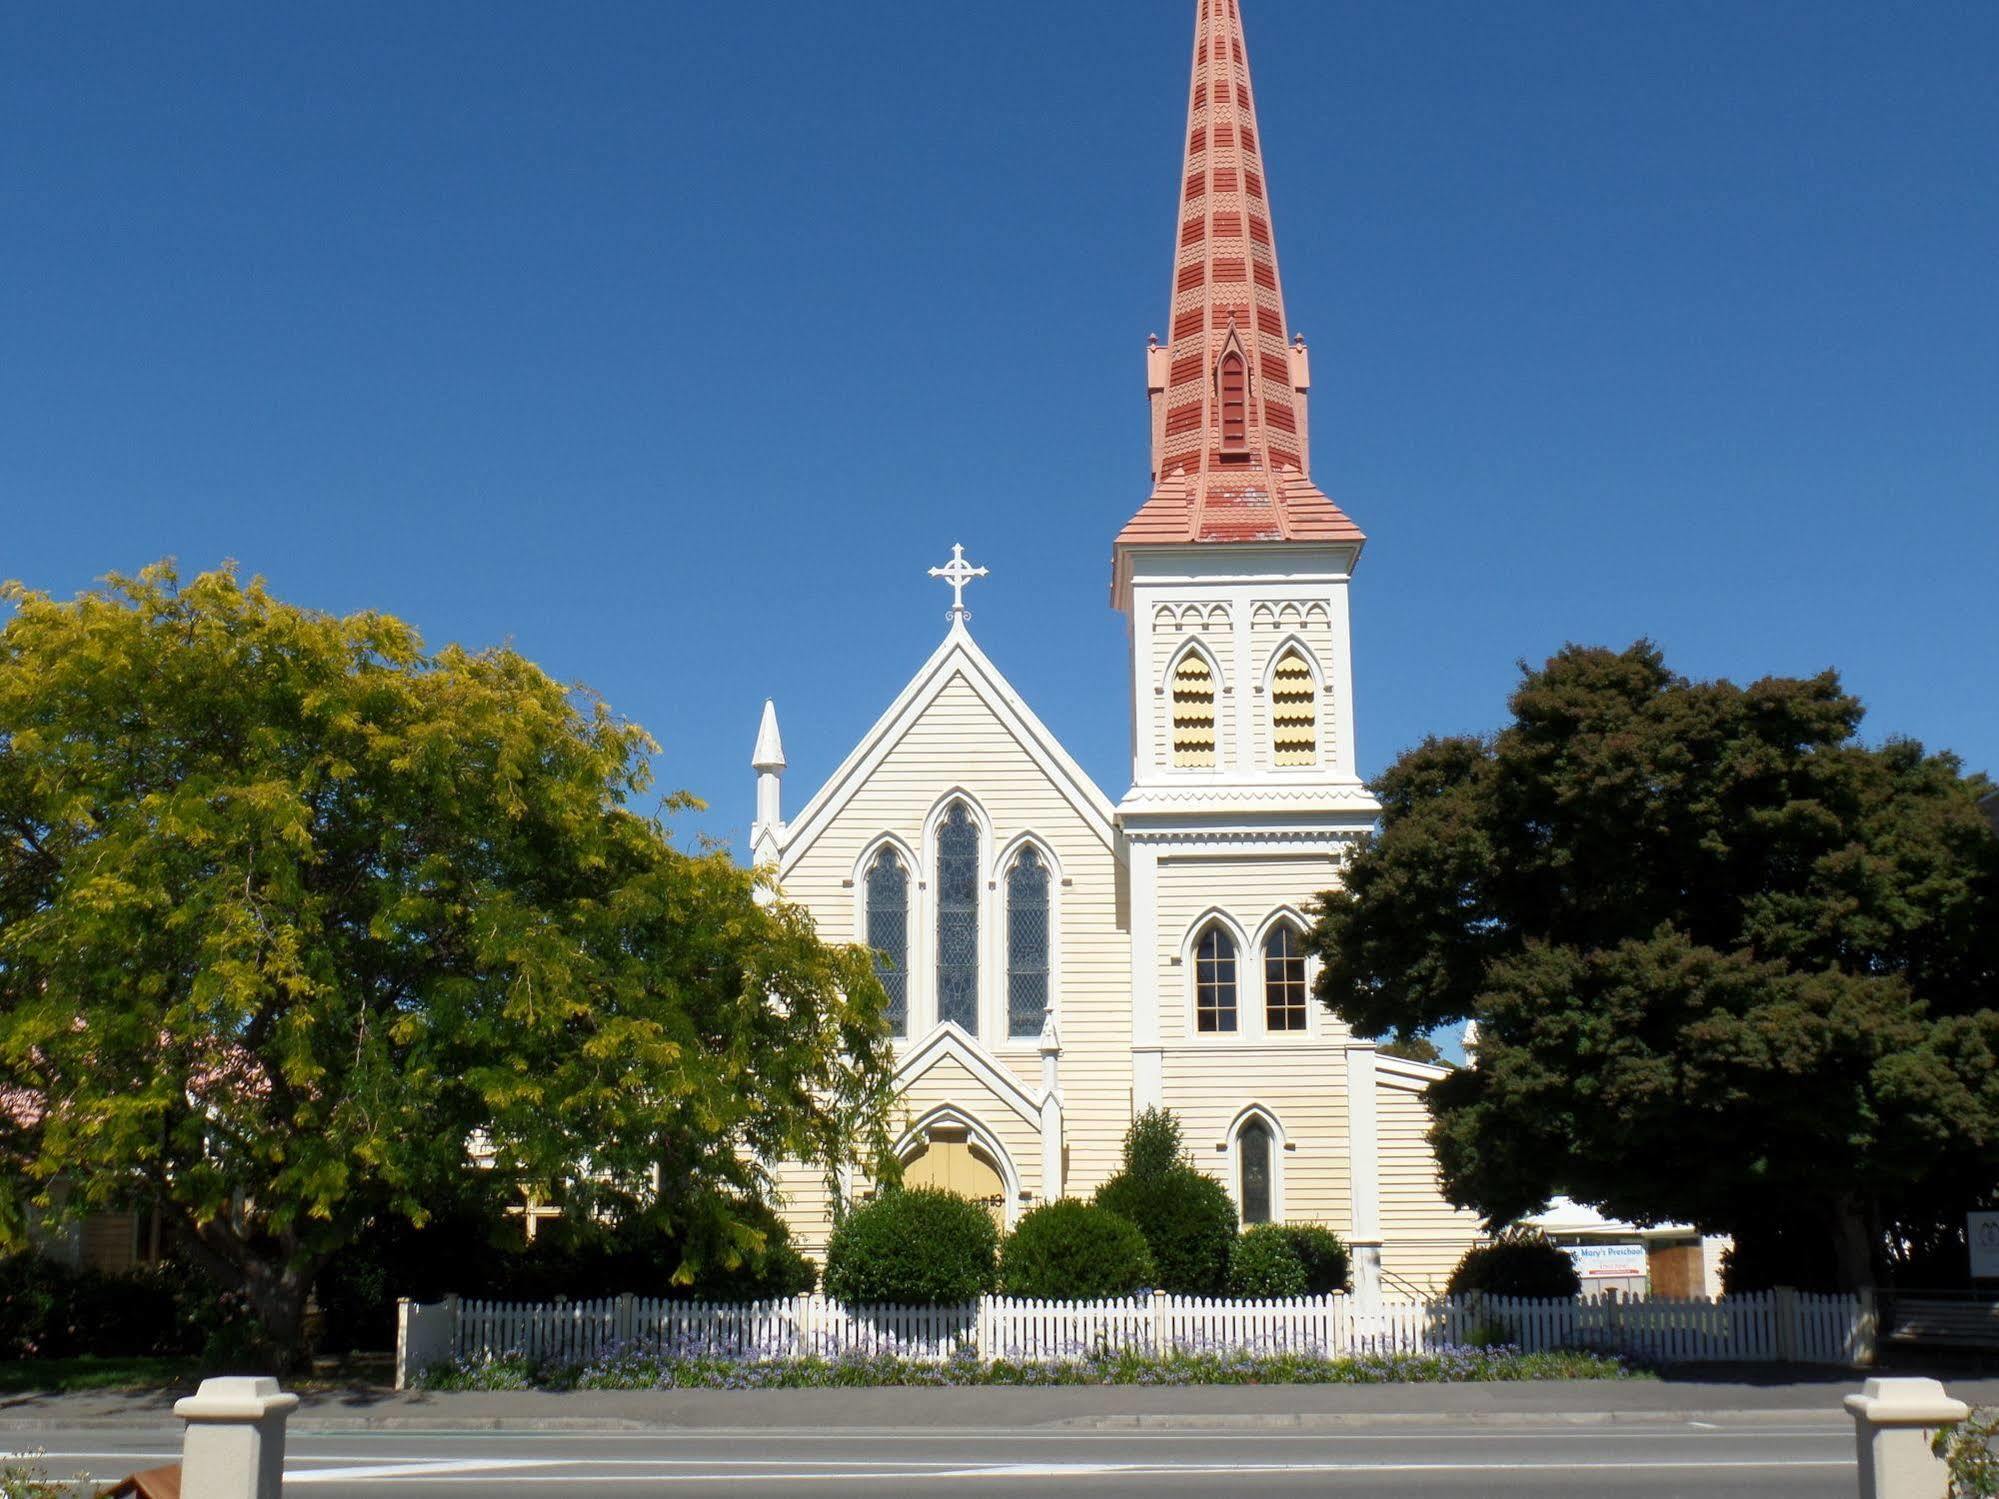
(1234, 382)
(1252, 1145)
(1294, 712)
(958, 919)
(1214, 981)
(1193, 712)
(1026, 945)
(888, 933)
(1284, 980)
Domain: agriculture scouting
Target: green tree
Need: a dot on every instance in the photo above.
(295, 914)
(1728, 964)
(913, 1246)
(1186, 1216)
(1074, 1251)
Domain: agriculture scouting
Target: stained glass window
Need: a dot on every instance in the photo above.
(958, 919)
(888, 933)
(1284, 981)
(1253, 1154)
(1026, 945)
(1214, 981)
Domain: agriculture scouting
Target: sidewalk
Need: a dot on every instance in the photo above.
(1554, 1402)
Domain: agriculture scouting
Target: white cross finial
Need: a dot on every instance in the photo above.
(958, 572)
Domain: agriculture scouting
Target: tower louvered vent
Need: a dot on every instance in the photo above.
(1193, 713)
(1294, 713)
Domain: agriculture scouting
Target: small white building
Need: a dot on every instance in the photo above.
(1662, 1259)
(1058, 961)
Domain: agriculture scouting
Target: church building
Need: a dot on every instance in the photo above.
(1057, 961)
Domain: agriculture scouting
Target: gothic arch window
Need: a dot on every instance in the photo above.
(1234, 382)
(958, 919)
(1026, 944)
(888, 933)
(1294, 711)
(1214, 980)
(1194, 727)
(1284, 979)
(1255, 1149)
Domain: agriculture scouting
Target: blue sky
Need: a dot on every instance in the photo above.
(672, 342)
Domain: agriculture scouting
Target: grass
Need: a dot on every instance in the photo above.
(61, 1375)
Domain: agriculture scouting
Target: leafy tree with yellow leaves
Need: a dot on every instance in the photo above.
(300, 922)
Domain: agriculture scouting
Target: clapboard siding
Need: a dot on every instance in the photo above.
(1303, 1090)
(1423, 1236)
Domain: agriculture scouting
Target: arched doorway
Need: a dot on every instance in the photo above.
(948, 1158)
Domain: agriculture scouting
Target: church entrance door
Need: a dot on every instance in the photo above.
(950, 1160)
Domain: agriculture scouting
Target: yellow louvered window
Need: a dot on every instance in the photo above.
(1294, 712)
(1193, 712)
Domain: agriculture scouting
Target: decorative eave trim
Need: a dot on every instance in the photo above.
(957, 653)
(949, 1041)
(1330, 843)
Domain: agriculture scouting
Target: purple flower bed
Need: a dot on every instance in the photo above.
(652, 1366)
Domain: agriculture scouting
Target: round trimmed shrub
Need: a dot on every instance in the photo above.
(1188, 1221)
(914, 1246)
(1323, 1254)
(1263, 1264)
(1074, 1251)
(1517, 1264)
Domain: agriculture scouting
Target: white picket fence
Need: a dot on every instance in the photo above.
(1778, 1325)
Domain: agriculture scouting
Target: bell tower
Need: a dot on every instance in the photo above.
(1233, 579)
(1233, 574)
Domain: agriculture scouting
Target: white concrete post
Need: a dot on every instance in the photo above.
(426, 1334)
(234, 1446)
(1892, 1422)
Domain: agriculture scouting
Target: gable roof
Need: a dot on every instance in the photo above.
(957, 656)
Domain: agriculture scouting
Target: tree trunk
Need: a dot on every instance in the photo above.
(1852, 1244)
(277, 1292)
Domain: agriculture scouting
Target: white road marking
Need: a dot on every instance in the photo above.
(421, 1468)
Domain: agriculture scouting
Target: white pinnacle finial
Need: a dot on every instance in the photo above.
(958, 572)
(769, 753)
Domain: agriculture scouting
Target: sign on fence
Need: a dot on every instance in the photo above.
(1609, 1261)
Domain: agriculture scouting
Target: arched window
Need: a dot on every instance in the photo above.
(888, 933)
(1294, 712)
(958, 919)
(1234, 383)
(1284, 980)
(1252, 1143)
(1214, 981)
(1193, 712)
(1026, 945)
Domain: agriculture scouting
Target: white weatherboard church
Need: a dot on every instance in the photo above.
(1057, 962)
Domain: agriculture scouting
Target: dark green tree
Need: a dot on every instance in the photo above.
(1728, 963)
(294, 914)
(1186, 1216)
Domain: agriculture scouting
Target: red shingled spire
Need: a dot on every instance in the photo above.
(1230, 460)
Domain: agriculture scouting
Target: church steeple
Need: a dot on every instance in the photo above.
(1230, 460)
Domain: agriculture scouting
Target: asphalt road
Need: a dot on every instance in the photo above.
(1772, 1454)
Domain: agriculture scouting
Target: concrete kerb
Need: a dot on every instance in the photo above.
(986, 1409)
